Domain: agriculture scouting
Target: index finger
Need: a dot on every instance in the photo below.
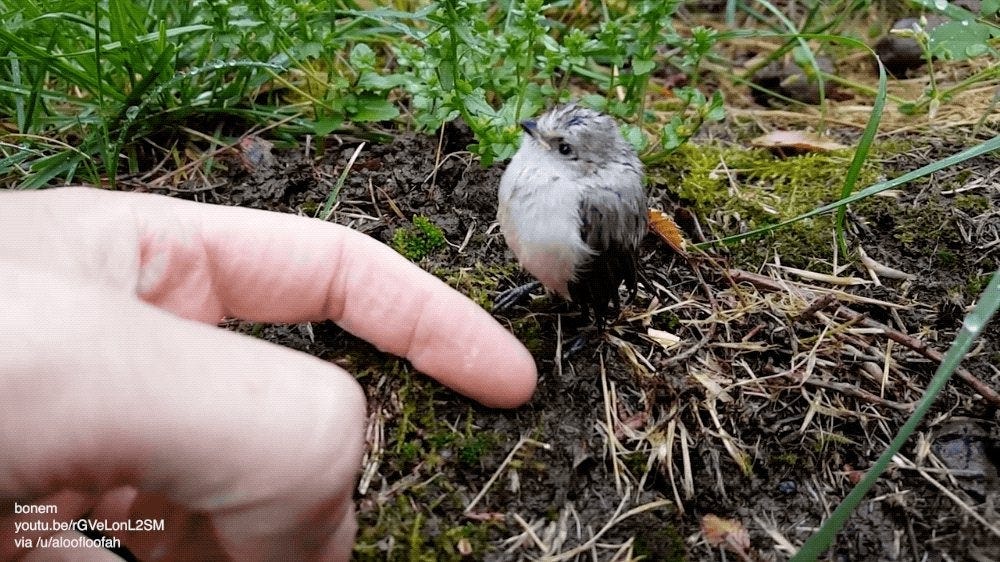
(271, 267)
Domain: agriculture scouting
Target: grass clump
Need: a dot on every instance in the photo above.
(419, 239)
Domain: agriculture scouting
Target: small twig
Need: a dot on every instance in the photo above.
(331, 199)
(531, 533)
(616, 518)
(559, 342)
(922, 348)
(437, 159)
(822, 277)
(392, 204)
(612, 442)
(856, 392)
(669, 461)
(903, 461)
(371, 193)
(684, 355)
(817, 305)
(769, 284)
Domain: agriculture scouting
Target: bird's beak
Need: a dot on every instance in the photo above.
(531, 128)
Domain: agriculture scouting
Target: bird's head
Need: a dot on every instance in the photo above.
(571, 133)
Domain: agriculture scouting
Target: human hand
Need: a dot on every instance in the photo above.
(120, 401)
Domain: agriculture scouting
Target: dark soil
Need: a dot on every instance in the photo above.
(752, 416)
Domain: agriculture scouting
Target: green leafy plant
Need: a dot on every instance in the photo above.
(87, 83)
(495, 67)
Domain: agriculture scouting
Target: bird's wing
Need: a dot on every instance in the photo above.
(612, 223)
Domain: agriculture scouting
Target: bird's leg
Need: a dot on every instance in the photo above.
(582, 339)
(513, 296)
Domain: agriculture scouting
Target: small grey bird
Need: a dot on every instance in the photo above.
(573, 210)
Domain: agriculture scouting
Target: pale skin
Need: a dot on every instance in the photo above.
(120, 399)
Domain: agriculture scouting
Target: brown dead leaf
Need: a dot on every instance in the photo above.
(634, 422)
(667, 230)
(662, 337)
(727, 533)
(853, 475)
(790, 143)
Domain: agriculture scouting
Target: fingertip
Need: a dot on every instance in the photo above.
(521, 377)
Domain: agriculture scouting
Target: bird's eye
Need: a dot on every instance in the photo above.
(565, 148)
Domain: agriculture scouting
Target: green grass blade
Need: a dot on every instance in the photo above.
(58, 65)
(36, 92)
(803, 45)
(861, 153)
(157, 69)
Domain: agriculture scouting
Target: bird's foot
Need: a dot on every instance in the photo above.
(578, 343)
(513, 296)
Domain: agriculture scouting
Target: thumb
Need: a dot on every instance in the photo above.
(229, 439)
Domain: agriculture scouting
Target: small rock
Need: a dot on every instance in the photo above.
(788, 487)
(787, 79)
(901, 54)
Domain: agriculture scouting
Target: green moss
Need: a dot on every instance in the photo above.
(479, 283)
(788, 459)
(669, 322)
(827, 440)
(972, 204)
(735, 190)
(529, 332)
(441, 440)
(976, 285)
(423, 450)
(402, 532)
(309, 208)
(418, 240)
(946, 258)
(473, 448)
(920, 229)
(636, 462)
(408, 452)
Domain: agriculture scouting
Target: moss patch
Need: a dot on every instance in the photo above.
(738, 190)
(425, 449)
(921, 230)
(479, 283)
(663, 543)
(403, 532)
(418, 240)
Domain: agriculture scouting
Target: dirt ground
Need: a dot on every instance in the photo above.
(778, 392)
(735, 385)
